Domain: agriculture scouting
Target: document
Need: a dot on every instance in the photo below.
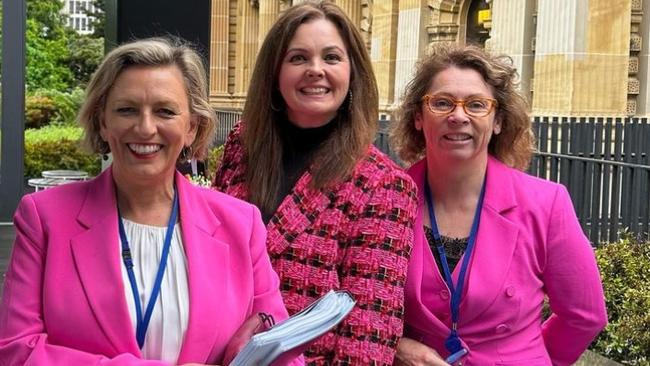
(305, 326)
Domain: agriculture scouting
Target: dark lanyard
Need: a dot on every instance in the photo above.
(143, 323)
(453, 343)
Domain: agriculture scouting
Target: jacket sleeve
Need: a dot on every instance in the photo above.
(267, 297)
(23, 337)
(374, 259)
(230, 169)
(573, 286)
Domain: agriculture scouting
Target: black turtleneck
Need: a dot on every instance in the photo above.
(298, 148)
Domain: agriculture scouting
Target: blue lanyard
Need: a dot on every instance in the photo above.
(143, 323)
(453, 343)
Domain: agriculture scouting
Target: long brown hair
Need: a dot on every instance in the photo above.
(513, 145)
(356, 119)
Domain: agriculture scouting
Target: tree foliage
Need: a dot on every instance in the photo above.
(57, 57)
(86, 54)
(97, 14)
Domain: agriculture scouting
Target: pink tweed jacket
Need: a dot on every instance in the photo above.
(355, 235)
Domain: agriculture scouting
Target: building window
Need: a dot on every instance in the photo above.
(71, 7)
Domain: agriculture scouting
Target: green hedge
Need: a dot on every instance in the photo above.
(625, 270)
(213, 161)
(57, 147)
(44, 106)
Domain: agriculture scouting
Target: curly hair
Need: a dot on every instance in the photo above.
(152, 52)
(513, 145)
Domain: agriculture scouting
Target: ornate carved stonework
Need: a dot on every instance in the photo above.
(633, 83)
(633, 86)
(442, 33)
(633, 65)
(445, 20)
(366, 21)
(284, 5)
(630, 107)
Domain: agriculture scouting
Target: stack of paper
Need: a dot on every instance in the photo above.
(307, 325)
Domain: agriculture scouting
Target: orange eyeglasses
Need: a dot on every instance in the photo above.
(475, 107)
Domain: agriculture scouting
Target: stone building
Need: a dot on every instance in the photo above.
(77, 17)
(575, 57)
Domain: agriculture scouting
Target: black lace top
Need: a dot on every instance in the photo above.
(454, 249)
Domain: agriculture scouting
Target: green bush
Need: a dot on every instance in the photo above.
(39, 110)
(46, 106)
(214, 159)
(625, 270)
(57, 147)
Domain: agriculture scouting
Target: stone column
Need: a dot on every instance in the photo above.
(581, 57)
(246, 47)
(411, 40)
(352, 8)
(219, 50)
(383, 49)
(269, 12)
(643, 59)
(513, 34)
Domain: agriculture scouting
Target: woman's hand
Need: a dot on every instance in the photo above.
(414, 353)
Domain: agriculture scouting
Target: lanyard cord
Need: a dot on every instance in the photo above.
(456, 291)
(143, 323)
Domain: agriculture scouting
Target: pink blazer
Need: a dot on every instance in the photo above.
(529, 245)
(63, 301)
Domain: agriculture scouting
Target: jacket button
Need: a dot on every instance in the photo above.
(502, 328)
(510, 291)
(444, 294)
(32, 342)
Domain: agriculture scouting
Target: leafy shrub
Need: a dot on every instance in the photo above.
(57, 147)
(214, 159)
(46, 106)
(39, 110)
(625, 270)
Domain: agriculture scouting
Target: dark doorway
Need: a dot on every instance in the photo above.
(477, 34)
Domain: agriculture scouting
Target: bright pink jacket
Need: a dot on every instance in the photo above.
(63, 300)
(529, 245)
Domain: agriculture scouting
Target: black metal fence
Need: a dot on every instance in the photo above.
(603, 162)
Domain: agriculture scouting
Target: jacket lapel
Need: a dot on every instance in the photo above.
(426, 284)
(296, 213)
(96, 256)
(495, 245)
(493, 253)
(207, 259)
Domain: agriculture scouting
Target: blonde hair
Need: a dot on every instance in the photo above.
(513, 145)
(356, 119)
(152, 52)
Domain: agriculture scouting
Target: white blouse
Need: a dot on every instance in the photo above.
(170, 315)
